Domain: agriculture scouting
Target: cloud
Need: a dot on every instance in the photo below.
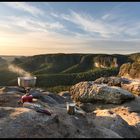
(106, 16)
(24, 7)
(54, 14)
(28, 24)
(96, 28)
(89, 24)
(60, 34)
(109, 27)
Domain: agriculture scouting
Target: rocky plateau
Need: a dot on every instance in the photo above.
(107, 109)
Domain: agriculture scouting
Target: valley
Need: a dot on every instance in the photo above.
(57, 72)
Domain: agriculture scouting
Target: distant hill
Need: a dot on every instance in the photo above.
(57, 71)
(69, 63)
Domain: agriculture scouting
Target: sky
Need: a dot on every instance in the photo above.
(31, 28)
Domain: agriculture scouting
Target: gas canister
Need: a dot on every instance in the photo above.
(26, 98)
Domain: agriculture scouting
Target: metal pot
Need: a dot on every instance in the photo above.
(27, 81)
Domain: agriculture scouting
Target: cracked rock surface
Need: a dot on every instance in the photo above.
(101, 121)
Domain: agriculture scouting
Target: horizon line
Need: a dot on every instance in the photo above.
(6, 55)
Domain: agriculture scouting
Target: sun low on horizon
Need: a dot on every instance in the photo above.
(31, 28)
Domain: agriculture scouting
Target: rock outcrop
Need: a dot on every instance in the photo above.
(133, 86)
(25, 123)
(130, 70)
(130, 85)
(114, 122)
(91, 92)
(66, 95)
(105, 61)
(17, 121)
(112, 81)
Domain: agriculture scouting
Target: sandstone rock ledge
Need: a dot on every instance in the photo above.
(132, 85)
(91, 92)
(108, 121)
